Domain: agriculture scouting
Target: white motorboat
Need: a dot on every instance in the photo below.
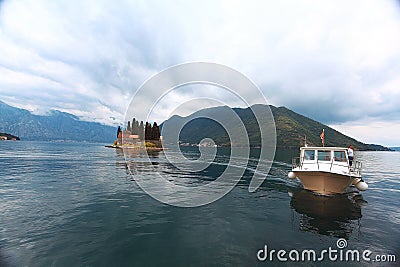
(327, 170)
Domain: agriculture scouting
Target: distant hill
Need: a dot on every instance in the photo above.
(55, 126)
(395, 148)
(9, 136)
(291, 128)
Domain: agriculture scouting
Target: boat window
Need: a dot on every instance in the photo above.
(340, 156)
(324, 155)
(309, 155)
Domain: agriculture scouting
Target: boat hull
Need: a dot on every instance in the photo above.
(324, 183)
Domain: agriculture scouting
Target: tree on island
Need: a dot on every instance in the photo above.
(119, 131)
(145, 131)
(135, 127)
(141, 130)
(155, 132)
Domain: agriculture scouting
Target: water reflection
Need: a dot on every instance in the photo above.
(134, 160)
(120, 160)
(336, 215)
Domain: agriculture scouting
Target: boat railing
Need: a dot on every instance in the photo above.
(339, 164)
(356, 168)
(296, 162)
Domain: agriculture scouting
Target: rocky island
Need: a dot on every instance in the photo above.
(138, 136)
(7, 136)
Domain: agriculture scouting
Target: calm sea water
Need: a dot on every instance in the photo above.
(74, 204)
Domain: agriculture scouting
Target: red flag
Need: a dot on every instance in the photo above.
(323, 137)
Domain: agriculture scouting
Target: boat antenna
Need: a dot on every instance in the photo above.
(305, 140)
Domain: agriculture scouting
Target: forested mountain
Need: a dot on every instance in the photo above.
(291, 129)
(56, 125)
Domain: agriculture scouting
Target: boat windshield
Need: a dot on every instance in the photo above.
(309, 154)
(339, 156)
(324, 155)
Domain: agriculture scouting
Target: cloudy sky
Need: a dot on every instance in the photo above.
(337, 62)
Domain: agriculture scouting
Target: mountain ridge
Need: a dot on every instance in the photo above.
(56, 125)
(291, 129)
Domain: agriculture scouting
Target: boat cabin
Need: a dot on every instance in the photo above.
(327, 159)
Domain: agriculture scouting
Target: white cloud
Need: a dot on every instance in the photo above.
(372, 131)
(334, 61)
(187, 99)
